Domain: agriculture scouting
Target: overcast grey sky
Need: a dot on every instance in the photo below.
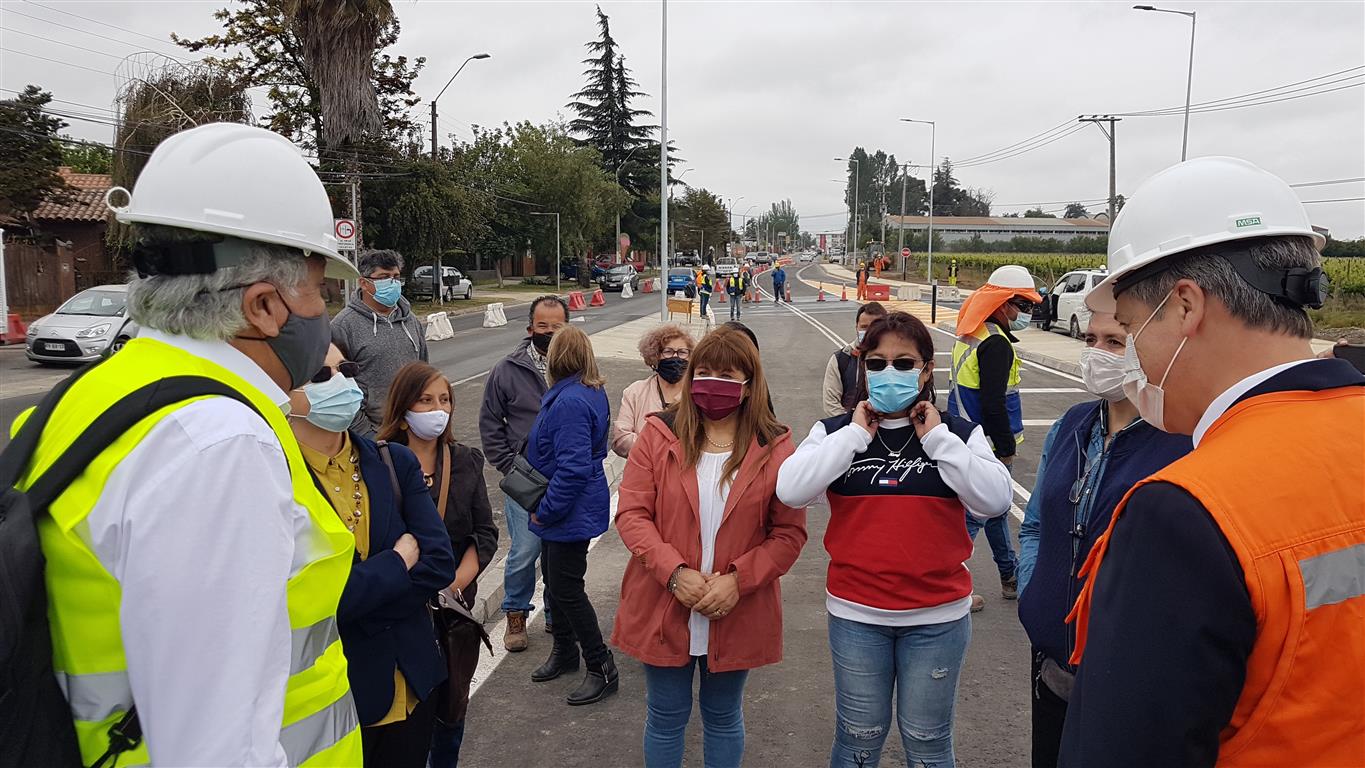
(762, 95)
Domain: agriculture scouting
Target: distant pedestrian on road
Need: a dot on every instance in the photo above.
(1222, 620)
(698, 598)
(666, 350)
(511, 402)
(862, 281)
(567, 445)
(779, 283)
(705, 285)
(984, 388)
(417, 415)
(738, 289)
(898, 476)
(378, 331)
(402, 559)
(843, 382)
(1092, 456)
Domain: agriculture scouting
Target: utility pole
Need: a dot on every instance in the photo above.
(900, 247)
(663, 166)
(1099, 121)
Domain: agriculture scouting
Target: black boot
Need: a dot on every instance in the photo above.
(563, 658)
(600, 682)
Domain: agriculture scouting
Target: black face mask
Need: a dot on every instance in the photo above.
(541, 341)
(671, 369)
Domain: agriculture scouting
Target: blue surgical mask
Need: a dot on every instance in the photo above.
(387, 291)
(892, 391)
(332, 404)
(1021, 322)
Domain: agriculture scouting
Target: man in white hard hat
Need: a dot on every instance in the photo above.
(1222, 621)
(193, 569)
(984, 388)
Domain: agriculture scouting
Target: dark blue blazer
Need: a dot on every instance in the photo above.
(383, 616)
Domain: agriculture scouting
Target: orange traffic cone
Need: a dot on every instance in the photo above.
(844, 296)
(788, 293)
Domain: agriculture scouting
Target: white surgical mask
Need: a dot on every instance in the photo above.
(1103, 373)
(861, 335)
(428, 425)
(1149, 398)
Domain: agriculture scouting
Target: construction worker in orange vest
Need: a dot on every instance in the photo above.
(1222, 619)
(862, 281)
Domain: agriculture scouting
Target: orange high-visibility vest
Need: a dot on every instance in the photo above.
(1283, 476)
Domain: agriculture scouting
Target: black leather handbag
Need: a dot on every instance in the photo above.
(524, 484)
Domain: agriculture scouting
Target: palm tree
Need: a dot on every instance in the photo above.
(339, 39)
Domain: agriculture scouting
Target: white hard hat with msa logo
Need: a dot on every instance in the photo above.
(235, 180)
(1012, 276)
(1200, 202)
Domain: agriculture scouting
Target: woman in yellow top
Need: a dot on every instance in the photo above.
(403, 558)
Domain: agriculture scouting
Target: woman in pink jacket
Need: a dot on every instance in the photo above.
(665, 349)
(699, 512)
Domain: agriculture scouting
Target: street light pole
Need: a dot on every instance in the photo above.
(1189, 76)
(900, 248)
(442, 93)
(933, 164)
(557, 256)
(663, 167)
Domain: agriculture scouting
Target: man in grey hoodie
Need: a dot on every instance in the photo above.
(378, 330)
(511, 401)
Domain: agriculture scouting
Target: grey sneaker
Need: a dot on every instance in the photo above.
(978, 603)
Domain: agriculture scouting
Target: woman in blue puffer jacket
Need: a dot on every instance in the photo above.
(567, 444)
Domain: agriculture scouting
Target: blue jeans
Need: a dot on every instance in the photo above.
(735, 301)
(705, 299)
(519, 574)
(668, 700)
(779, 290)
(921, 664)
(998, 534)
(445, 745)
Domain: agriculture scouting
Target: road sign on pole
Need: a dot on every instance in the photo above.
(905, 252)
(345, 232)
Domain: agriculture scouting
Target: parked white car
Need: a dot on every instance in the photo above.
(1066, 302)
(90, 325)
(453, 284)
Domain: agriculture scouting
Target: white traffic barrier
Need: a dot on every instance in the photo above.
(626, 292)
(903, 293)
(493, 316)
(438, 327)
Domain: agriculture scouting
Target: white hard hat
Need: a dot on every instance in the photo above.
(1012, 276)
(240, 181)
(1196, 203)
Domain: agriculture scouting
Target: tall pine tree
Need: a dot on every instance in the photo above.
(606, 120)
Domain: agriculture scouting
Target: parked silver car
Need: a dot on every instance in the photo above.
(90, 325)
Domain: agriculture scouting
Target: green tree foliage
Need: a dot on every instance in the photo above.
(1076, 211)
(781, 223)
(86, 158)
(1346, 248)
(952, 199)
(699, 216)
(29, 157)
(340, 39)
(1038, 213)
(260, 46)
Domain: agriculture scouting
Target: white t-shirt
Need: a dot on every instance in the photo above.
(711, 497)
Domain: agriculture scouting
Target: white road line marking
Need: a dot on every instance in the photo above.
(1017, 512)
(489, 664)
(1021, 490)
(1052, 371)
(468, 379)
(1049, 390)
(1039, 422)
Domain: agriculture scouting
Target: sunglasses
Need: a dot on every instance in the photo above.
(1023, 306)
(346, 368)
(900, 363)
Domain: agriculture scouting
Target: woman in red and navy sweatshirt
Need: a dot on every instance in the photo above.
(898, 475)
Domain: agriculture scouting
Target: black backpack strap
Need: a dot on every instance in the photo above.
(387, 456)
(118, 419)
(16, 456)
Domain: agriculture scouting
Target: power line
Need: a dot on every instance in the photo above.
(1333, 200)
(57, 61)
(1327, 183)
(96, 21)
(1017, 143)
(88, 32)
(1025, 149)
(1245, 96)
(59, 42)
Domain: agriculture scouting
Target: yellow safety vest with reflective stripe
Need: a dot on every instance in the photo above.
(965, 381)
(320, 726)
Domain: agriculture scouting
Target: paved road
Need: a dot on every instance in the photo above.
(789, 707)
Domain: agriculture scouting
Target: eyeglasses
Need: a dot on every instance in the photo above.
(669, 352)
(346, 368)
(1022, 305)
(900, 363)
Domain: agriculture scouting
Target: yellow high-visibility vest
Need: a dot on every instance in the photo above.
(320, 726)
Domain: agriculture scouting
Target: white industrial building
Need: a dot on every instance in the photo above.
(999, 229)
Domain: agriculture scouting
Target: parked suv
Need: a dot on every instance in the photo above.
(726, 266)
(1064, 306)
(422, 286)
(618, 276)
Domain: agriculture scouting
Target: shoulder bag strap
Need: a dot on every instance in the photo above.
(387, 457)
(443, 460)
(16, 456)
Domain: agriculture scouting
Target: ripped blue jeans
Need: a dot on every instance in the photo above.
(919, 665)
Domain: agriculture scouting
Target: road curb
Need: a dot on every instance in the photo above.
(488, 605)
(1065, 366)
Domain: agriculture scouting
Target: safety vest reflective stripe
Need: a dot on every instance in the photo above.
(1334, 577)
(97, 696)
(965, 374)
(319, 731)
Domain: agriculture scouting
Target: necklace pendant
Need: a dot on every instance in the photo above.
(355, 477)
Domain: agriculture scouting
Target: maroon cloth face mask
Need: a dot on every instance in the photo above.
(717, 398)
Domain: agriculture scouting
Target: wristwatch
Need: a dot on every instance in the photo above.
(673, 579)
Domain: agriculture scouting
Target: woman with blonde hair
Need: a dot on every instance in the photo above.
(699, 598)
(567, 445)
(664, 349)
